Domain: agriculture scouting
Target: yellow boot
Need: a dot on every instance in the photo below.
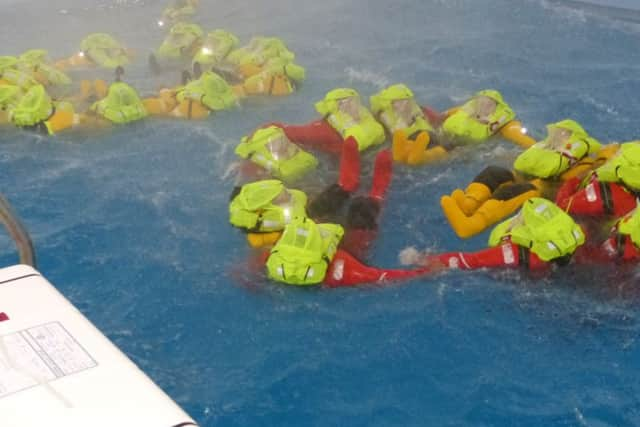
(60, 121)
(281, 85)
(101, 88)
(155, 106)
(259, 84)
(489, 213)
(260, 240)
(238, 90)
(458, 195)
(91, 121)
(249, 69)
(192, 110)
(473, 196)
(463, 225)
(417, 150)
(400, 146)
(428, 156)
(86, 90)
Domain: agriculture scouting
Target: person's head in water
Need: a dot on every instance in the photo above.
(558, 137)
(404, 108)
(281, 148)
(350, 106)
(484, 108)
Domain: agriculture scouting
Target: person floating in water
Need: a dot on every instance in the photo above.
(38, 112)
(542, 237)
(183, 42)
(539, 237)
(343, 116)
(98, 50)
(485, 115)
(497, 192)
(396, 109)
(278, 78)
(269, 153)
(194, 99)
(308, 251)
(258, 54)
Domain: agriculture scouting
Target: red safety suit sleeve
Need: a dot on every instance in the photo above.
(592, 200)
(507, 255)
(435, 118)
(357, 241)
(349, 174)
(346, 270)
(318, 135)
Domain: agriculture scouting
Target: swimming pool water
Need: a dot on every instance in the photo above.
(131, 225)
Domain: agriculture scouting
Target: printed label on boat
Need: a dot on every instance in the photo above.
(39, 355)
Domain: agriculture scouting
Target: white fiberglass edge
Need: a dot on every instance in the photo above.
(57, 369)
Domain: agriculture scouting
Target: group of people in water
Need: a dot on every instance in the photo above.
(38, 93)
(553, 186)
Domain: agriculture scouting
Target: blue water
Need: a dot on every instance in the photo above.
(131, 225)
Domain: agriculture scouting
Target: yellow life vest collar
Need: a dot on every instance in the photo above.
(382, 106)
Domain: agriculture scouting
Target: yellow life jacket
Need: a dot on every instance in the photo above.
(9, 96)
(542, 227)
(545, 160)
(121, 105)
(34, 107)
(181, 39)
(411, 122)
(366, 130)
(259, 51)
(52, 76)
(34, 57)
(104, 50)
(630, 226)
(279, 78)
(466, 127)
(271, 149)
(21, 78)
(624, 167)
(7, 62)
(266, 206)
(216, 47)
(303, 253)
(211, 90)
